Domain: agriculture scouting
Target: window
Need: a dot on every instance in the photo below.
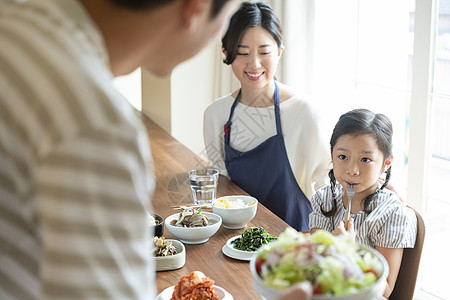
(392, 57)
(436, 201)
(362, 58)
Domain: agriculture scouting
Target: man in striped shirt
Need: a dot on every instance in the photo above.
(75, 165)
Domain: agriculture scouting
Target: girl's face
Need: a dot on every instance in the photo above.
(358, 160)
(257, 59)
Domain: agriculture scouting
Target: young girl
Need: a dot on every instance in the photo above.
(271, 145)
(361, 150)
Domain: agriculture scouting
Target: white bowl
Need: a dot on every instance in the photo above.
(372, 292)
(195, 235)
(171, 262)
(236, 218)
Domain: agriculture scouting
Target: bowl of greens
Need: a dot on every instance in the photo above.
(337, 267)
(244, 246)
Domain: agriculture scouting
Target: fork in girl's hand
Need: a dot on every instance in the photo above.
(350, 194)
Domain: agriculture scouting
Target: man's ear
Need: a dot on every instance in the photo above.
(194, 11)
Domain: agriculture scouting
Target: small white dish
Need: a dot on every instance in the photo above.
(171, 262)
(230, 251)
(195, 235)
(167, 293)
(236, 217)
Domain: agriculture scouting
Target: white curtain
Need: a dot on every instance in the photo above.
(295, 69)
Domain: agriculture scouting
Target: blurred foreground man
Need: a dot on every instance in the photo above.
(75, 166)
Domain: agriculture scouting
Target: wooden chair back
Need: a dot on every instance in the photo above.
(407, 275)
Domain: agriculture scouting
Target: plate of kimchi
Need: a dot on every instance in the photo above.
(195, 285)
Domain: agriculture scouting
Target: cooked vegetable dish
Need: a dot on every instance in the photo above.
(163, 247)
(191, 217)
(194, 286)
(252, 239)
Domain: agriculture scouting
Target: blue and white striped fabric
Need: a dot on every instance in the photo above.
(391, 224)
(75, 178)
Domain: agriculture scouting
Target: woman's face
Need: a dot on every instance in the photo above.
(256, 59)
(358, 160)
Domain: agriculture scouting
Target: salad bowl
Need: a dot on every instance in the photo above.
(362, 286)
(194, 235)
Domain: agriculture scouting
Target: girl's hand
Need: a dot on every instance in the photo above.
(340, 229)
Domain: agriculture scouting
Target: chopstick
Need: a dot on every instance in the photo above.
(189, 206)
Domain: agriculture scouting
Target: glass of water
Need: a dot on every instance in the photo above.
(204, 185)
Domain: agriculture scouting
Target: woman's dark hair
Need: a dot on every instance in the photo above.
(152, 4)
(249, 15)
(361, 122)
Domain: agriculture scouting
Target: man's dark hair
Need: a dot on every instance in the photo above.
(152, 4)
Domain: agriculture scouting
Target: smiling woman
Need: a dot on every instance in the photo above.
(268, 128)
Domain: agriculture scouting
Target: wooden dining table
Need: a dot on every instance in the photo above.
(172, 161)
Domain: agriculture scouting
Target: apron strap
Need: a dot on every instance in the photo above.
(227, 126)
(276, 102)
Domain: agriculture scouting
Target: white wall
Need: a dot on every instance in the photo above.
(156, 103)
(176, 103)
(130, 86)
(191, 92)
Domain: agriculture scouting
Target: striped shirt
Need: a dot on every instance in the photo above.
(391, 224)
(75, 180)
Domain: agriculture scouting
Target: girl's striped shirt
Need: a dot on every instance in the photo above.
(391, 224)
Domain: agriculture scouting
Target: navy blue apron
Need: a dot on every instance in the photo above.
(265, 173)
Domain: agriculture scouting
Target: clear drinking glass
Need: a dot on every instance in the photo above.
(204, 185)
